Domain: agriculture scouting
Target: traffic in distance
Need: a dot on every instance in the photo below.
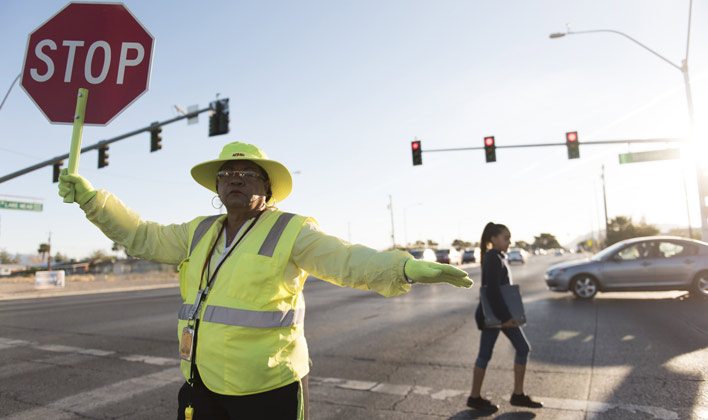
(651, 263)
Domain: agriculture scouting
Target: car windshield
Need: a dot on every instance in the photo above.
(607, 251)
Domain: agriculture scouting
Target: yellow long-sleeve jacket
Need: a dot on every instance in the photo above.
(236, 358)
(323, 256)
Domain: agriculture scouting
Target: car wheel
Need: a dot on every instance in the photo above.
(700, 285)
(584, 287)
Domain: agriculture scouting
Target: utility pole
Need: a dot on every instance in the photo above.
(49, 252)
(393, 236)
(604, 198)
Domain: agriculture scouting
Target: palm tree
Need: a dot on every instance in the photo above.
(43, 250)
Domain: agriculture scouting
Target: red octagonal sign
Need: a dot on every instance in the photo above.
(98, 46)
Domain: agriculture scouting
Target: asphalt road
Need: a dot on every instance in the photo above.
(619, 356)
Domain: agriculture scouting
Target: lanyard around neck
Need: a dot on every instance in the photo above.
(201, 294)
(207, 263)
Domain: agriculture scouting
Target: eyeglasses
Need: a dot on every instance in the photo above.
(229, 173)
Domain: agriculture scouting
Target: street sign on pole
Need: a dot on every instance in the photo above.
(101, 47)
(664, 154)
(19, 205)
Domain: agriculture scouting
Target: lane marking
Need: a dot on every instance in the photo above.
(150, 360)
(67, 408)
(383, 388)
(58, 348)
(591, 407)
(6, 343)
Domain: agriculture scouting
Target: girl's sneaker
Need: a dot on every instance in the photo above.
(523, 400)
(481, 404)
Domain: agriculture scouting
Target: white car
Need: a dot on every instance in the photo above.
(426, 254)
(516, 254)
(456, 256)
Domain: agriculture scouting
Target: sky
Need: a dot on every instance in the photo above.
(336, 91)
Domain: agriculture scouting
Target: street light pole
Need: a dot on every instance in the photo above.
(393, 235)
(683, 68)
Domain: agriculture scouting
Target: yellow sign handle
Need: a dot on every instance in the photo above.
(75, 150)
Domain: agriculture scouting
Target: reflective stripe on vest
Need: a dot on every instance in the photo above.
(274, 235)
(201, 229)
(246, 318)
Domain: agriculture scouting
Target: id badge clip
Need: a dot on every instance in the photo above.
(195, 307)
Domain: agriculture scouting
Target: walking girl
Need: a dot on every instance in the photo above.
(495, 272)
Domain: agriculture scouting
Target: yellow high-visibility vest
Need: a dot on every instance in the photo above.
(250, 337)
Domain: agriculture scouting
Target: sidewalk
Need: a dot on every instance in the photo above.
(23, 287)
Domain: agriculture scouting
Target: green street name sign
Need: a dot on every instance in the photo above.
(18, 205)
(664, 154)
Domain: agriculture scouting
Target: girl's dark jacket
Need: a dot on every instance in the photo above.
(495, 273)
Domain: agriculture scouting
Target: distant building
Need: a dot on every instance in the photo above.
(113, 266)
(129, 265)
(8, 269)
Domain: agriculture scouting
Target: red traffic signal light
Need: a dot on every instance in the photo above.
(417, 153)
(571, 141)
(490, 152)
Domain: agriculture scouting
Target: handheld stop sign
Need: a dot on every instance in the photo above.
(99, 48)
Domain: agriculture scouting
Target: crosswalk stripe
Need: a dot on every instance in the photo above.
(591, 407)
(67, 408)
(6, 343)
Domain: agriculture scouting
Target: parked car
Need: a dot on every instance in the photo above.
(516, 254)
(442, 256)
(455, 256)
(468, 256)
(638, 264)
(423, 254)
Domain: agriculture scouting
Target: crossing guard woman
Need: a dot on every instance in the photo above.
(241, 275)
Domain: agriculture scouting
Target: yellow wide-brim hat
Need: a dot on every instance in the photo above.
(281, 182)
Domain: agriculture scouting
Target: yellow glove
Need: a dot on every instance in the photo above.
(430, 272)
(75, 186)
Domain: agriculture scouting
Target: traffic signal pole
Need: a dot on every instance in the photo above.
(590, 143)
(104, 143)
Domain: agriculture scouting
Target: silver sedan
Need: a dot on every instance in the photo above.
(638, 264)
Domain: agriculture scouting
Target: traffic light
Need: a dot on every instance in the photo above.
(417, 153)
(219, 118)
(155, 139)
(57, 171)
(102, 157)
(571, 140)
(490, 149)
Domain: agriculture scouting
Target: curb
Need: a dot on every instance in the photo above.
(39, 294)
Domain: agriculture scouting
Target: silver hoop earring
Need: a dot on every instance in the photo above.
(214, 205)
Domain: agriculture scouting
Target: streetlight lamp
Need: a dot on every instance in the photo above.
(683, 68)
